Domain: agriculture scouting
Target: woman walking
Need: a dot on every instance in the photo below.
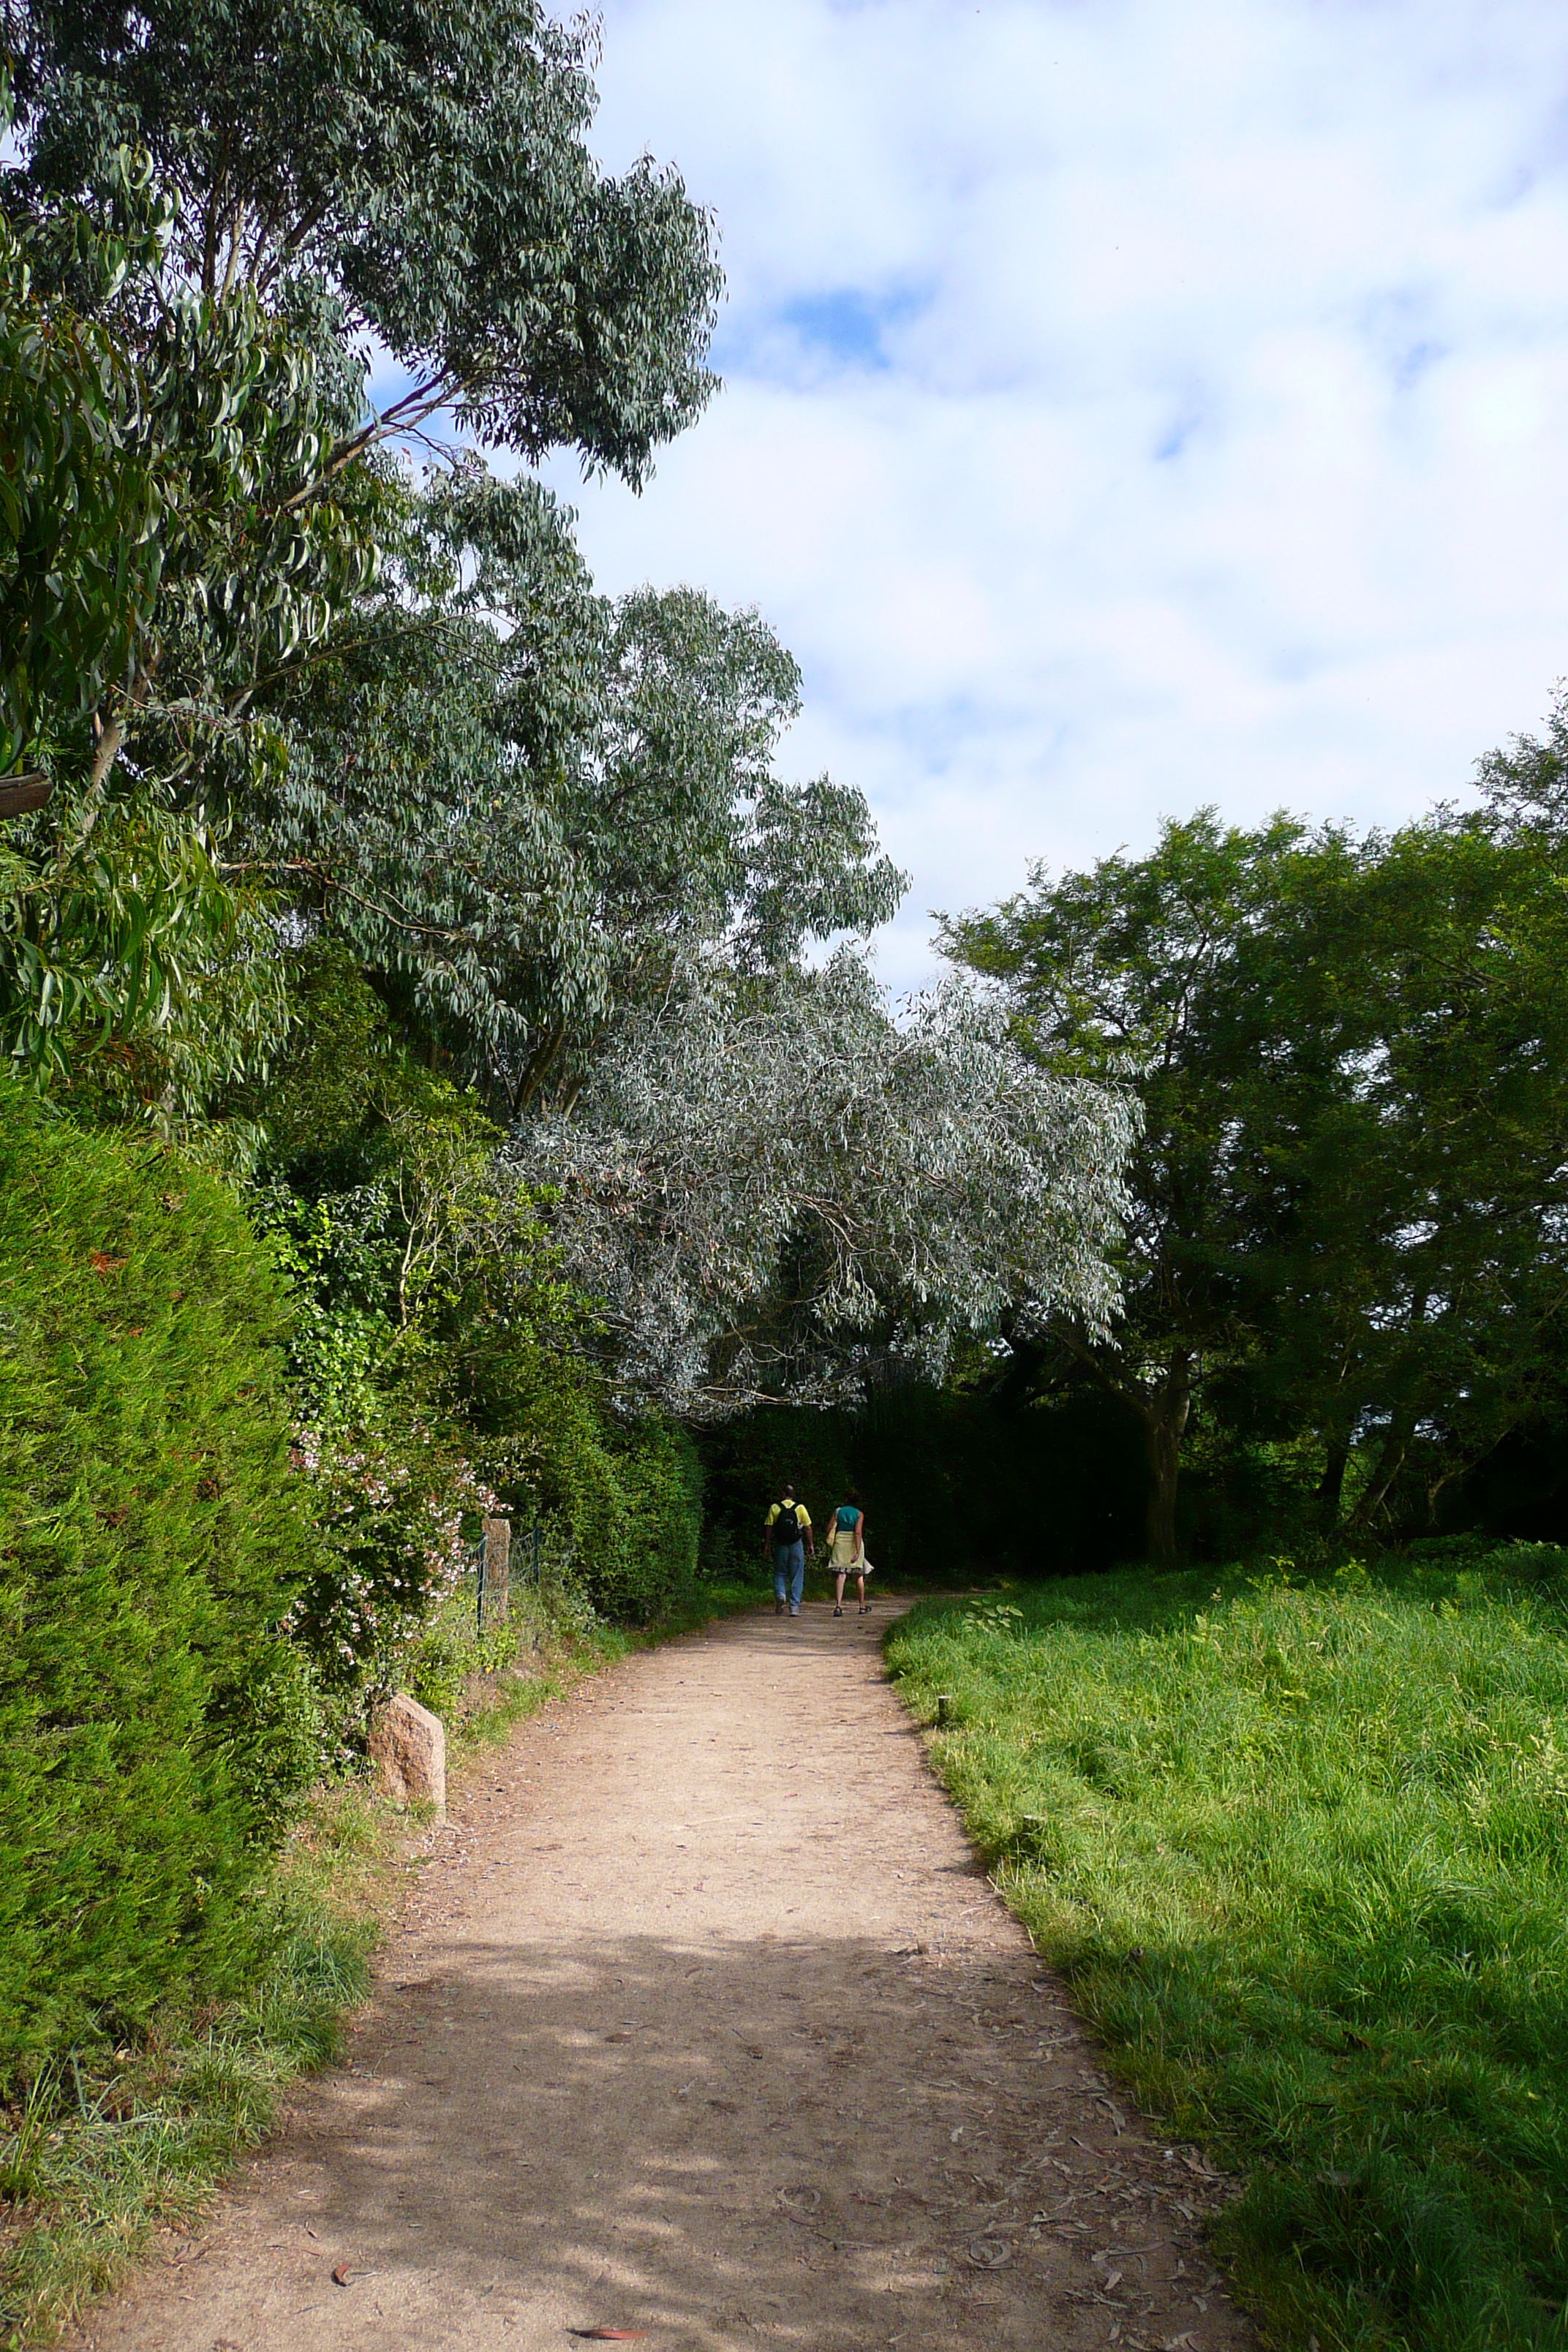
(849, 1551)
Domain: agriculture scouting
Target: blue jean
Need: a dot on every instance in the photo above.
(789, 1567)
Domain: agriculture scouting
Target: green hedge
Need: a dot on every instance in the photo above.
(152, 1731)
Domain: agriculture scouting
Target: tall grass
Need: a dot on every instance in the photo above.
(1303, 1848)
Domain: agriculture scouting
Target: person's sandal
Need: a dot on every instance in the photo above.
(838, 1612)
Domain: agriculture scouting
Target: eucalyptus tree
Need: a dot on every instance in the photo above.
(338, 175)
(328, 176)
(419, 174)
(523, 803)
(153, 528)
(769, 1185)
(79, 557)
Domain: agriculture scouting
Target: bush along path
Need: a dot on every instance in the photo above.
(706, 2026)
(102, 2143)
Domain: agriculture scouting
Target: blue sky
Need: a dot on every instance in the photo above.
(1128, 404)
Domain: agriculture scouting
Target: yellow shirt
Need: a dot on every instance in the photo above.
(801, 1514)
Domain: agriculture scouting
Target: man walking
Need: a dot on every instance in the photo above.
(786, 1534)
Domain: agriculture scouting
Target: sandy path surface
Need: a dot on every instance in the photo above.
(708, 2027)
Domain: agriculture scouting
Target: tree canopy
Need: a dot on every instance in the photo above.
(419, 173)
(1348, 1195)
(523, 804)
(775, 1188)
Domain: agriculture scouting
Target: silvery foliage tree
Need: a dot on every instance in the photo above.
(771, 1184)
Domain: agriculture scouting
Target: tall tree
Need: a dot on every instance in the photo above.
(321, 176)
(355, 173)
(155, 455)
(419, 173)
(1353, 1062)
(773, 1187)
(523, 804)
(1127, 974)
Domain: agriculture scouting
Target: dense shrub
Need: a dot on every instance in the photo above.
(655, 1553)
(623, 1500)
(152, 1730)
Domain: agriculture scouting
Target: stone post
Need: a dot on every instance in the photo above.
(408, 1748)
(497, 1553)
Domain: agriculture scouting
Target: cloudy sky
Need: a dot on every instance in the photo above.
(1128, 404)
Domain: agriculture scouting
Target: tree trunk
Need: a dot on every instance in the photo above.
(1390, 1462)
(1331, 1485)
(1401, 1429)
(1165, 1419)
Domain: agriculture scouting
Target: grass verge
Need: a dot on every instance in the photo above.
(109, 2144)
(1301, 1847)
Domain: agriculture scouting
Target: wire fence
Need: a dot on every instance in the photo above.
(530, 1557)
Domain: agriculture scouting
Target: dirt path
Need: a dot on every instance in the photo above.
(709, 2028)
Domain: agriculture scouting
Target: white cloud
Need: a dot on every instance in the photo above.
(1127, 404)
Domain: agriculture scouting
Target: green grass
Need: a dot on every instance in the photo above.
(1301, 1847)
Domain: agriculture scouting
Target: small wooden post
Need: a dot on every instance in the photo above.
(498, 1548)
(943, 1708)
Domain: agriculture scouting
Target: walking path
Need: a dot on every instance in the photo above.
(710, 2029)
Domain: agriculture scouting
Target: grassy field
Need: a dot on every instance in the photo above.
(107, 2143)
(1301, 1845)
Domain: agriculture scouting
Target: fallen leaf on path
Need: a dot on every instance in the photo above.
(990, 2253)
(347, 2273)
(610, 2334)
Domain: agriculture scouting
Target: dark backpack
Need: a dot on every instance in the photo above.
(787, 1527)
